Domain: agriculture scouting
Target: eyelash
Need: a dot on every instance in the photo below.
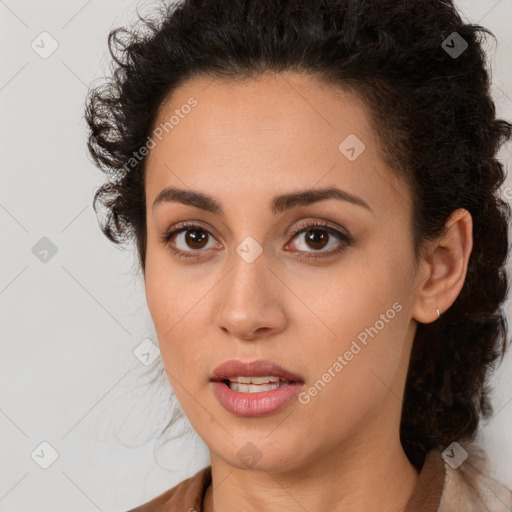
(347, 240)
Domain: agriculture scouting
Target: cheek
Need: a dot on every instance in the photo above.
(167, 294)
(361, 294)
(359, 343)
(366, 347)
(350, 381)
(176, 309)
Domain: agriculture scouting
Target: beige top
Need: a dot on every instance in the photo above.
(439, 489)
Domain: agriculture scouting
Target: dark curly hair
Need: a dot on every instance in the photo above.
(431, 108)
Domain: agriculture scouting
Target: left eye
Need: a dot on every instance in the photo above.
(318, 238)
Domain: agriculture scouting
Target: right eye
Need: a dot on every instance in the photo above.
(189, 239)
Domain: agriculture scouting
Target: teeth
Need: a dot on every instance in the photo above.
(255, 384)
(254, 380)
(251, 388)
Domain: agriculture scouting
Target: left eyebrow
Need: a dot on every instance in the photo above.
(278, 204)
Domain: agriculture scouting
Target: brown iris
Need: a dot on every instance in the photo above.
(317, 237)
(195, 237)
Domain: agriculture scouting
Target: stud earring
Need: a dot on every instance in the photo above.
(438, 313)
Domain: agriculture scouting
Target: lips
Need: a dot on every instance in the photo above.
(254, 400)
(259, 368)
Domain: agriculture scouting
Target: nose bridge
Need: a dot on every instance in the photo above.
(249, 298)
(249, 277)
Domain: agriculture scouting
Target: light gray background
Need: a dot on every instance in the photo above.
(70, 325)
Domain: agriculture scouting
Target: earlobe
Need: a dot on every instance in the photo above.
(444, 268)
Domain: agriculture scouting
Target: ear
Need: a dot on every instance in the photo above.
(443, 268)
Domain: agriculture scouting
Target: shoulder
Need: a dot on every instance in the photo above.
(187, 496)
(468, 487)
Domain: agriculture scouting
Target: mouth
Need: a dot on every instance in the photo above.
(257, 388)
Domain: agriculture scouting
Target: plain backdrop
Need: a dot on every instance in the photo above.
(73, 413)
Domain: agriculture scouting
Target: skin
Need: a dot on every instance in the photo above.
(243, 143)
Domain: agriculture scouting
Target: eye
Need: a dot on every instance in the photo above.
(317, 236)
(191, 239)
(188, 236)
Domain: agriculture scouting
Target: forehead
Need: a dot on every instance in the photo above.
(287, 131)
(275, 108)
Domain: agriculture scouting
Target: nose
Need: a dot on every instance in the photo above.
(250, 301)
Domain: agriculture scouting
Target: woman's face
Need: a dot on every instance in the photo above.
(332, 304)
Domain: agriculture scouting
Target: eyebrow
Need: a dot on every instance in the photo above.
(278, 204)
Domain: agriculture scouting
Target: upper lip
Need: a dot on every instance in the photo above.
(259, 368)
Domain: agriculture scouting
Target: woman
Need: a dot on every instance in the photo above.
(312, 188)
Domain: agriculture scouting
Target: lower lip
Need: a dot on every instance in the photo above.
(252, 405)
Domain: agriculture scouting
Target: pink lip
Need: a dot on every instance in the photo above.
(249, 405)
